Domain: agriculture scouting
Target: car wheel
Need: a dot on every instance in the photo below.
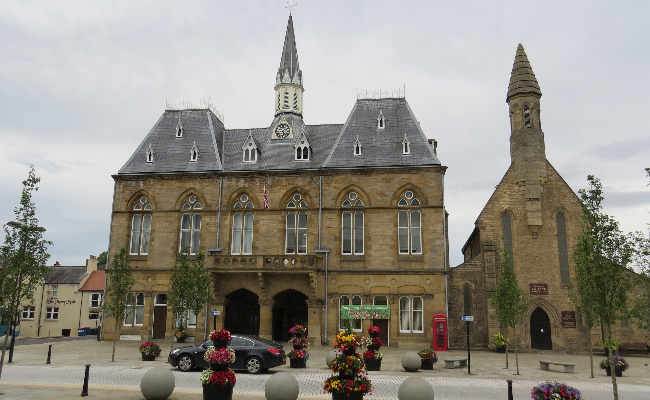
(253, 365)
(185, 363)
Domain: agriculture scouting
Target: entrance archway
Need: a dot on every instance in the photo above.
(540, 330)
(242, 312)
(290, 308)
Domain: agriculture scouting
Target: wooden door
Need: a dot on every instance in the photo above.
(159, 322)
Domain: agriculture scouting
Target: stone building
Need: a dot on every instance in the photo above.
(299, 222)
(537, 217)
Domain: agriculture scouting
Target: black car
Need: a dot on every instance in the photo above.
(252, 354)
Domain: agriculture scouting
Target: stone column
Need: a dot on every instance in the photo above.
(266, 318)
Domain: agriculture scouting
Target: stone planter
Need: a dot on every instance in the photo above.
(148, 357)
(372, 364)
(617, 372)
(297, 363)
(427, 364)
(501, 349)
(217, 392)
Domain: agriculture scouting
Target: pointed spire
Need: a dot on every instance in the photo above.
(522, 79)
(289, 61)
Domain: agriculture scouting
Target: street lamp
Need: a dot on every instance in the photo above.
(14, 318)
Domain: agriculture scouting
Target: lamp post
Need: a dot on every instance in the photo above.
(23, 247)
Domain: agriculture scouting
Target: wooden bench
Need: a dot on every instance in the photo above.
(450, 362)
(568, 367)
(628, 347)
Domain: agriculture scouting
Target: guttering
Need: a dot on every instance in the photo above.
(327, 252)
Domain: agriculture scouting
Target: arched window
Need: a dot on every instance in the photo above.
(191, 225)
(563, 251)
(179, 129)
(242, 227)
(150, 154)
(381, 123)
(411, 314)
(352, 226)
(296, 238)
(409, 224)
(194, 153)
(357, 147)
(141, 227)
(506, 222)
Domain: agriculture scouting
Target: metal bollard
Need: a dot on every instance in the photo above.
(510, 389)
(49, 355)
(84, 391)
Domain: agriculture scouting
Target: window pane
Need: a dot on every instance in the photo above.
(196, 232)
(186, 206)
(358, 232)
(140, 299)
(248, 234)
(381, 300)
(416, 242)
(146, 233)
(191, 318)
(135, 234)
(404, 320)
(128, 320)
(197, 206)
(347, 232)
(236, 233)
(417, 321)
(347, 203)
(291, 233)
(403, 232)
(302, 233)
(139, 315)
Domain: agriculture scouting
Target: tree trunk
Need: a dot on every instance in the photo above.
(591, 351)
(611, 363)
(516, 353)
(506, 357)
(2, 360)
(117, 329)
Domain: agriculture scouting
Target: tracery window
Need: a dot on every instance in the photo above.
(242, 226)
(352, 226)
(191, 225)
(296, 227)
(409, 224)
(141, 227)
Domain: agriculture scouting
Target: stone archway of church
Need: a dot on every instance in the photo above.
(540, 330)
(242, 313)
(289, 309)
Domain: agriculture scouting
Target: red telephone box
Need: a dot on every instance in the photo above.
(439, 332)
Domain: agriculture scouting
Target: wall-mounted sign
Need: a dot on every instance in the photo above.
(568, 319)
(468, 318)
(538, 288)
(365, 312)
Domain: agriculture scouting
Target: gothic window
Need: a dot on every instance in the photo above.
(134, 314)
(357, 147)
(352, 226)
(355, 324)
(179, 129)
(302, 151)
(286, 99)
(191, 225)
(563, 251)
(467, 301)
(411, 313)
(295, 100)
(194, 153)
(296, 228)
(381, 123)
(242, 226)
(141, 227)
(249, 150)
(506, 221)
(150, 154)
(409, 224)
(406, 146)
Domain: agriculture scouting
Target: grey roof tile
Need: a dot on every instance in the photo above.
(65, 275)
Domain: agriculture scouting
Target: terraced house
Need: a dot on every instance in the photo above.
(300, 223)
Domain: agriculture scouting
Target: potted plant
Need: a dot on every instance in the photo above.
(351, 383)
(619, 362)
(374, 331)
(221, 337)
(299, 355)
(555, 390)
(150, 351)
(219, 380)
(501, 341)
(180, 335)
(298, 331)
(372, 358)
(298, 358)
(428, 357)
(347, 343)
(219, 358)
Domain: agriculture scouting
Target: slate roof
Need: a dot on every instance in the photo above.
(172, 154)
(522, 78)
(95, 282)
(381, 147)
(65, 275)
(289, 60)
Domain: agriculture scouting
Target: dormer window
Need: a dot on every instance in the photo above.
(194, 153)
(179, 129)
(357, 147)
(406, 146)
(150, 154)
(381, 123)
(249, 150)
(301, 147)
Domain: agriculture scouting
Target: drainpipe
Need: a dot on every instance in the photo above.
(327, 252)
(219, 212)
(40, 311)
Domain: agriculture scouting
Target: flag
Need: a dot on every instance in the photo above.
(266, 200)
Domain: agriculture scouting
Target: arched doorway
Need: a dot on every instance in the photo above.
(540, 330)
(290, 308)
(242, 312)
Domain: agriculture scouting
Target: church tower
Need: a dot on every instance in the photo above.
(288, 91)
(527, 149)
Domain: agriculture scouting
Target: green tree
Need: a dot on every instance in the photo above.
(601, 255)
(189, 287)
(118, 292)
(509, 301)
(23, 256)
(102, 258)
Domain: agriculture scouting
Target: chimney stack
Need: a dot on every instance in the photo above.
(91, 264)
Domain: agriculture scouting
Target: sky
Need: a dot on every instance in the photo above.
(82, 83)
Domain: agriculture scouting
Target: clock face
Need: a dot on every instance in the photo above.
(282, 130)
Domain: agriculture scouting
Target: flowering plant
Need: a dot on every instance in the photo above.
(427, 355)
(219, 356)
(180, 334)
(374, 330)
(347, 342)
(619, 363)
(296, 341)
(501, 340)
(349, 365)
(150, 349)
(220, 334)
(299, 353)
(298, 330)
(221, 378)
(374, 341)
(360, 384)
(555, 390)
(372, 354)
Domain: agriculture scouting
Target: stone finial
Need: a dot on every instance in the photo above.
(522, 78)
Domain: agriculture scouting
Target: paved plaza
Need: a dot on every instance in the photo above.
(29, 377)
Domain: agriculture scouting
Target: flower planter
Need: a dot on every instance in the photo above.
(221, 344)
(373, 347)
(372, 364)
(426, 364)
(374, 334)
(297, 363)
(501, 349)
(219, 367)
(349, 351)
(298, 346)
(617, 372)
(148, 357)
(217, 392)
(181, 339)
(347, 396)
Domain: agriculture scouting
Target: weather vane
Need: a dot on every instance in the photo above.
(290, 6)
